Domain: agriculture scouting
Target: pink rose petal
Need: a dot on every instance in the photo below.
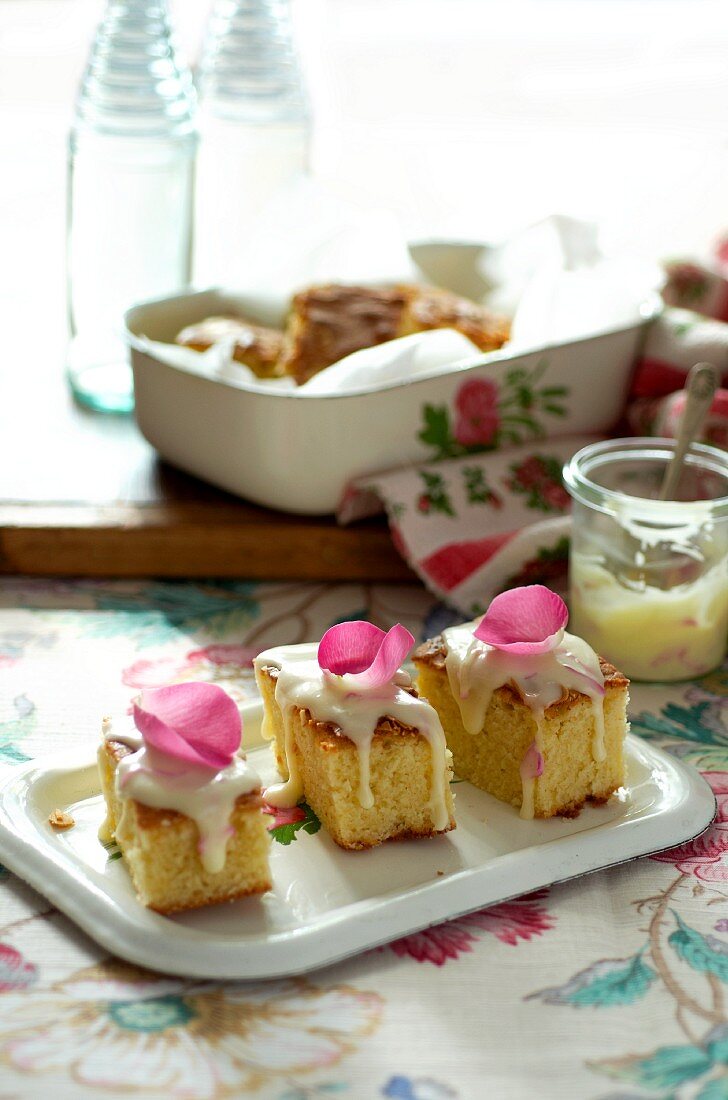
(589, 681)
(364, 652)
(524, 620)
(532, 763)
(197, 723)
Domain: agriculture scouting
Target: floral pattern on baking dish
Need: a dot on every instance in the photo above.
(487, 414)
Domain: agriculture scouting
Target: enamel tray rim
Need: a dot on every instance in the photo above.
(150, 940)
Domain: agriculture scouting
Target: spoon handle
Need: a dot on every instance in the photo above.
(701, 384)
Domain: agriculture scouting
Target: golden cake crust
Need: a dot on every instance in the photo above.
(330, 322)
(434, 651)
(256, 346)
(432, 308)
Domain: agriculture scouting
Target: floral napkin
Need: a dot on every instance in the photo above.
(473, 525)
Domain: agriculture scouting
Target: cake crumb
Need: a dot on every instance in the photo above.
(440, 873)
(59, 819)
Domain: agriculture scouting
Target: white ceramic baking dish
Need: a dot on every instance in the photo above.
(297, 451)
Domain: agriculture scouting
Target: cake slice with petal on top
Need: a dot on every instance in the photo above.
(352, 737)
(531, 714)
(182, 802)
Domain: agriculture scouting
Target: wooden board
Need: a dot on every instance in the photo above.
(84, 494)
(191, 540)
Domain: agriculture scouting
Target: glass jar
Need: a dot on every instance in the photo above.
(649, 577)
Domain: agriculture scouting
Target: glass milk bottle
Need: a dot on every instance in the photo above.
(130, 192)
(254, 128)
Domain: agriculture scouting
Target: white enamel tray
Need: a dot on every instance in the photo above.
(326, 903)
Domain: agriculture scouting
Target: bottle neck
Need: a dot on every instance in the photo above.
(250, 68)
(135, 83)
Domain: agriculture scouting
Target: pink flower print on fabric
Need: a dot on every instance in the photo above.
(239, 656)
(210, 660)
(510, 922)
(16, 973)
(703, 857)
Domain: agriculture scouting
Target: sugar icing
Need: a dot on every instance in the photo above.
(302, 684)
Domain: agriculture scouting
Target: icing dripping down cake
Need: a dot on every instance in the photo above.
(542, 729)
(371, 762)
(191, 834)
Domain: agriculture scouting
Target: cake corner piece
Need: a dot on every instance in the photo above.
(217, 851)
(546, 760)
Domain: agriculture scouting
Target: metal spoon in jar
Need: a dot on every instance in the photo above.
(700, 386)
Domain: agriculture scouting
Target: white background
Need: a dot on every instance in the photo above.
(468, 117)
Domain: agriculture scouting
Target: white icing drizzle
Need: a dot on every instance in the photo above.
(475, 670)
(528, 797)
(207, 797)
(301, 684)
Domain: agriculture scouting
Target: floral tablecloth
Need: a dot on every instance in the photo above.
(612, 987)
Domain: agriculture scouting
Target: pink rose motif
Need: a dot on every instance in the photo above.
(15, 971)
(715, 426)
(195, 664)
(530, 473)
(148, 674)
(510, 922)
(556, 496)
(477, 420)
(239, 655)
(721, 253)
(703, 857)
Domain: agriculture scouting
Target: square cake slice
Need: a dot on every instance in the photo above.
(394, 787)
(162, 847)
(570, 772)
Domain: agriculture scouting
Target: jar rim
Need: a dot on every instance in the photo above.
(582, 488)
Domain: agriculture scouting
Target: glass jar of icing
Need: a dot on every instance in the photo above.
(649, 577)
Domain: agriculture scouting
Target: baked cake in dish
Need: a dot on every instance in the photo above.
(352, 737)
(430, 308)
(330, 322)
(327, 323)
(531, 714)
(256, 347)
(182, 803)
